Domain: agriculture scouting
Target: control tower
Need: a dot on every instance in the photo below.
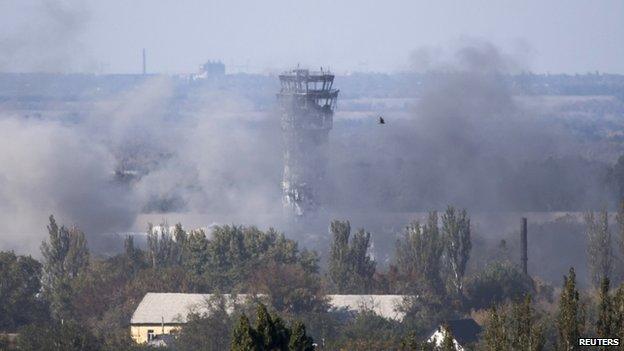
(307, 101)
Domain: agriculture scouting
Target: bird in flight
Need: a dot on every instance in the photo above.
(382, 120)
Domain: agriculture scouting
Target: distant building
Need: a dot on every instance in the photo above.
(210, 69)
(465, 333)
(165, 313)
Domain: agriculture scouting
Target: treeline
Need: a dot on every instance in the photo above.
(74, 300)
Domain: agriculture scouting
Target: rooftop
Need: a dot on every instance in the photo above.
(173, 308)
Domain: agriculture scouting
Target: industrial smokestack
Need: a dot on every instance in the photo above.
(523, 239)
(144, 63)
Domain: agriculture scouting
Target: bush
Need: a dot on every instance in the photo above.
(498, 282)
(68, 336)
(368, 331)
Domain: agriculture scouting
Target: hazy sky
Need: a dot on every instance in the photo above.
(348, 35)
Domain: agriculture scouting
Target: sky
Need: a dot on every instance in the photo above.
(556, 36)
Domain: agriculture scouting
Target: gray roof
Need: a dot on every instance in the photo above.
(170, 308)
(383, 305)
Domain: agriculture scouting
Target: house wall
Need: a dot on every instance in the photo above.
(139, 332)
(437, 338)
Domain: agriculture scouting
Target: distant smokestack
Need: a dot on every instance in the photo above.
(523, 239)
(144, 63)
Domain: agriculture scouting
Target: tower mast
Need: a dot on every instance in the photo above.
(307, 102)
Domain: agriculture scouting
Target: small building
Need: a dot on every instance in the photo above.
(165, 313)
(210, 69)
(465, 333)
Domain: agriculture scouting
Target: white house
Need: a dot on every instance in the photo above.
(464, 331)
(163, 313)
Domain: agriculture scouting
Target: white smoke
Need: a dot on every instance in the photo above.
(43, 35)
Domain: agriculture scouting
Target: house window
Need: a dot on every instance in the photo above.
(150, 335)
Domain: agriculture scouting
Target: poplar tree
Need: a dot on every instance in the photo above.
(132, 256)
(605, 323)
(244, 337)
(571, 316)
(599, 253)
(180, 246)
(419, 256)
(270, 334)
(456, 236)
(495, 334)
(299, 340)
(266, 328)
(351, 268)
(619, 218)
(526, 333)
(66, 256)
(617, 327)
(196, 253)
(161, 249)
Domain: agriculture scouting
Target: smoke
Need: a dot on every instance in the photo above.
(212, 155)
(43, 35)
(468, 142)
(209, 154)
(49, 168)
(178, 150)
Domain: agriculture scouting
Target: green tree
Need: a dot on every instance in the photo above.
(497, 283)
(456, 237)
(599, 253)
(617, 327)
(244, 336)
(179, 246)
(412, 342)
(351, 269)
(161, 246)
(617, 177)
(266, 328)
(495, 334)
(235, 252)
(291, 288)
(208, 331)
(271, 330)
(270, 334)
(197, 252)
(66, 336)
(419, 257)
(571, 316)
(133, 256)
(514, 327)
(448, 342)
(299, 340)
(369, 331)
(606, 319)
(66, 256)
(525, 332)
(19, 288)
(619, 218)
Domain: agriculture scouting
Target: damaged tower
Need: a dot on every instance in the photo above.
(307, 102)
